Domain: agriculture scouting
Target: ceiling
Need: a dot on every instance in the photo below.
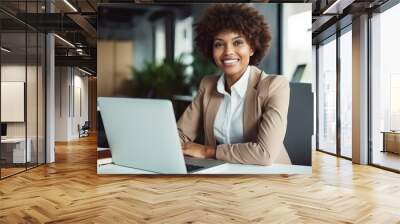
(76, 22)
(330, 15)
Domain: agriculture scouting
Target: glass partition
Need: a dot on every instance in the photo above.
(22, 90)
(346, 93)
(385, 89)
(14, 153)
(31, 100)
(327, 96)
(41, 96)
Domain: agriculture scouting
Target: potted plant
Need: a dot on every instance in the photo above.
(160, 80)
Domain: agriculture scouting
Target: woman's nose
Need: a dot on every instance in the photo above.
(228, 49)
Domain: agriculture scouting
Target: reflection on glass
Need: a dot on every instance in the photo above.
(346, 94)
(327, 97)
(23, 90)
(41, 99)
(14, 151)
(386, 88)
(394, 101)
(31, 101)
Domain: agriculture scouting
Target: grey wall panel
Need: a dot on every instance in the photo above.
(300, 124)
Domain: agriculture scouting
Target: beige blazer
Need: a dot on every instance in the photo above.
(264, 120)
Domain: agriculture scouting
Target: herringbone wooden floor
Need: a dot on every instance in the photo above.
(70, 191)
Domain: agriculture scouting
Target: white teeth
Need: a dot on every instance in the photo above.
(230, 61)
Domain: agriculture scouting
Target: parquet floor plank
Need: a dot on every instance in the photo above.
(70, 191)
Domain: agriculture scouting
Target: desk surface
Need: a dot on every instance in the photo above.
(105, 166)
(13, 140)
(390, 132)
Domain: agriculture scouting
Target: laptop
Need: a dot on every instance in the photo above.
(142, 134)
(3, 131)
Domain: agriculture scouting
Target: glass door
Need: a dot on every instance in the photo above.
(327, 96)
(346, 92)
(22, 68)
(385, 89)
(14, 154)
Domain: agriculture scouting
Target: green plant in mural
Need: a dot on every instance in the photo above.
(201, 67)
(160, 80)
(163, 80)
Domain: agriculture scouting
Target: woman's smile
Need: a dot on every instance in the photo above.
(230, 61)
(231, 52)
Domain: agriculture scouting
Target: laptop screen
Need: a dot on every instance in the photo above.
(3, 129)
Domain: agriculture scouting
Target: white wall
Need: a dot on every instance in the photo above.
(71, 94)
(33, 126)
(183, 36)
(80, 103)
(296, 40)
(17, 73)
(184, 42)
(61, 103)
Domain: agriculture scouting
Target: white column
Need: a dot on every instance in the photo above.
(50, 100)
(63, 99)
(50, 92)
(360, 90)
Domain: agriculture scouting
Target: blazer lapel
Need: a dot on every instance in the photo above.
(211, 113)
(250, 104)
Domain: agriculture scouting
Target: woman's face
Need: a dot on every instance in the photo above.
(231, 53)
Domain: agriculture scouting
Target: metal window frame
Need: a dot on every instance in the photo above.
(381, 9)
(387, 5)
(44, 73)
(334, 37)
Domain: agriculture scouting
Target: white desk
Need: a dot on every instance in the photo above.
(19, 149)
(105, 166)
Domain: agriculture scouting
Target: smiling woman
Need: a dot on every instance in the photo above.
(243, 112)
(231, 53)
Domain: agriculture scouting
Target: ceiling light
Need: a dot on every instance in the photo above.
(70, 5)
(84, 71)
(5, 50)
(79, 51)
(337, 7)
(65, 41)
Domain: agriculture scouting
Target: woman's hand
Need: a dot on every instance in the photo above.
(198, 151)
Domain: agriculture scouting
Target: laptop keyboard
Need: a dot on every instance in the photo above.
(191, 168)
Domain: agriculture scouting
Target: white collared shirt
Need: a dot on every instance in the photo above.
(228, 125)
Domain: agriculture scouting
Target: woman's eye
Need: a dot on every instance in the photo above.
(238, 43)
(216, 45)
